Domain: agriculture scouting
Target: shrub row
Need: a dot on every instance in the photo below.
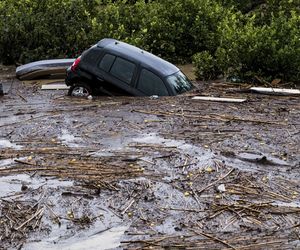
(221, 37)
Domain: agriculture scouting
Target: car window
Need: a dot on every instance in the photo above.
(151, 84)
(179, 82)
(123, 69)
(106, 62)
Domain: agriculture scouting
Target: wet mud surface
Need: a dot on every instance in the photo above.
(141, 173)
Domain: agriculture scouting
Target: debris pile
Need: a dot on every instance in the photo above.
(17, 219)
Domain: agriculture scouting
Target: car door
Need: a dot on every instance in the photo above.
(151, 84)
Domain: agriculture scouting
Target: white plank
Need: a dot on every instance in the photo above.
(218, 99)
(55, 87)
(276, 91)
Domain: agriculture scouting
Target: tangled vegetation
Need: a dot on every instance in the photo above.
(260, 37)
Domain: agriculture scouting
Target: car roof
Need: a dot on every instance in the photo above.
(147, 59)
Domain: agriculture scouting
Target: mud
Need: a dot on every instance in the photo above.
(130, 173)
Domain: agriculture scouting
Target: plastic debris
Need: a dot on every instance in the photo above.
(153, 97)
(222, 188)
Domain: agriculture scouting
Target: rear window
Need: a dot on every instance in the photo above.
(151, 84)
(106, 62)
(179, 82)
(91, 55)
(123, 69)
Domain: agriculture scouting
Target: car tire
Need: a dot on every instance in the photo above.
(80, 90)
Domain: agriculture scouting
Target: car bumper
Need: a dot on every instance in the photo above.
(70, 76)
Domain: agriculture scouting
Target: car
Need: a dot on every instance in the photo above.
(112, 67)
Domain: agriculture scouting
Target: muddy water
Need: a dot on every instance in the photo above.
(90, 239)
(9, 185)
(110, 132)
(7, 144)
(69, 139)
(107, 231)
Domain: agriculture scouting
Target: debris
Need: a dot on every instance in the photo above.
(215, 182)
(276, 91)
(217, 117)
(221, 188)
(215, 239)
(147, 164)
(209, 170)
(218, 99)
(153, 97)
(275, 82)
(128, 206)
(22, 97)
(186, 193)
(235, 79)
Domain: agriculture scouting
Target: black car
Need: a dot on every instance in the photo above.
(111, 67)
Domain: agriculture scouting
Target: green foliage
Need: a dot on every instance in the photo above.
(206, 65)
(258, 37)
(267, 50)
(31, 30)
(256, 44)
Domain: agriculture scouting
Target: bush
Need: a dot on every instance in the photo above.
(205, 65)
(32, 30)
(247, 48)
(258, 37)
(269, 50)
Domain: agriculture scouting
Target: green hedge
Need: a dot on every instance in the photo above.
(221, 37)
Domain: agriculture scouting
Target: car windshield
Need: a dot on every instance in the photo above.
(179, 82)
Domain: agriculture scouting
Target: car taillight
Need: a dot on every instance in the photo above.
(75, 64)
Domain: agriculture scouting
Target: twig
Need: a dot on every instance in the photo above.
(22, 97)
(253, 246)
(130, 204)
(24, 162)
(215, 182)
(196, 196)
(34, 216)
(214, 238)
(184, 209)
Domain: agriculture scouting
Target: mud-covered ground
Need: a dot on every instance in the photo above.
(142, 173)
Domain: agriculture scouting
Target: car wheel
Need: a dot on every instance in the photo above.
(80, 90)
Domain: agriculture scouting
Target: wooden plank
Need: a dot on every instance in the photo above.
(276, 91)
(55, 87)
(218, 99)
